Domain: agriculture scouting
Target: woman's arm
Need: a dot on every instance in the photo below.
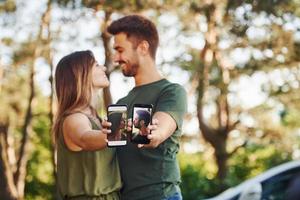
(79, 135)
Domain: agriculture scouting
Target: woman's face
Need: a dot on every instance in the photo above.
(100, 79)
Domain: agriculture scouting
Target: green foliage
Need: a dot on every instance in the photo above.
(118, 5)
(25, 52)
(195, 185)
(269, 6)
(8, 6)
(197, 177)
(39, 179)
(252, 160)
(198, 173)
(290, 118)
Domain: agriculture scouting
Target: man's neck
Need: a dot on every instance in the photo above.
(147, 73)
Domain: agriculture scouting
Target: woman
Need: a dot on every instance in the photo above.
(86, 169)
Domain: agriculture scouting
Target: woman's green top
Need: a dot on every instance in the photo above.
(83, 175)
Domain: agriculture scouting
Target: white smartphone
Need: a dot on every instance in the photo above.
(117, 116)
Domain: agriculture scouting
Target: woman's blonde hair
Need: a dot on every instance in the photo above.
(73, 85)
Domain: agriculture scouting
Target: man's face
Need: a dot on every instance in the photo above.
(136, 121)
(125, 54)
(142, 124)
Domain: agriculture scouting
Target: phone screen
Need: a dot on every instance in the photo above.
(117, 115)
(142, 115)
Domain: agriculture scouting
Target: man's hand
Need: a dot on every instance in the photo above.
(162, 127)
(152, 135)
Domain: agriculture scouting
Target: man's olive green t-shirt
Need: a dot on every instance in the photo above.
(153, 173)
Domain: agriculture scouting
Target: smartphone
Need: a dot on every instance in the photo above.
(117, 116)
(141, 118)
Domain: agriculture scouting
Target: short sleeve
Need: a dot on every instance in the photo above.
(173, 100)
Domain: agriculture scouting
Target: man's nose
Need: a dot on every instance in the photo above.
(116, 58)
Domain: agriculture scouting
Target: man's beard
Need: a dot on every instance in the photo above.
(130, 70)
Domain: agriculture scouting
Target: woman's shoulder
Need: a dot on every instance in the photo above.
(76, 119)
(76, 115)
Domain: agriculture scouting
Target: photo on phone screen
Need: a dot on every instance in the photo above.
(117, 116)
(142, 116)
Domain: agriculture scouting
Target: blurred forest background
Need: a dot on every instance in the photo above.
(239, 61)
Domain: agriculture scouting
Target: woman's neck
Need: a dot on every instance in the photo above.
(88, 110)
(95, 99)
(94, 104)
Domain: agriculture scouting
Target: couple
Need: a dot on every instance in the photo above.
(86, 168)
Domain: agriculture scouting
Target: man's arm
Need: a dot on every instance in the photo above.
(171, 108)
(162, 128)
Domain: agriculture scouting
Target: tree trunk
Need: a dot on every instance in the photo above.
(19, 176)
(49, 59)
(1, 74)
(50, 116)
(217, 137)
(108, 58)
(14, 181)
(8, 190)
(221, 156)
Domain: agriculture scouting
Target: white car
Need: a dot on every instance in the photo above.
(270, 185)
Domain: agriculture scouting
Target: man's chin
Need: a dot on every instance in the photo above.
(127, 74)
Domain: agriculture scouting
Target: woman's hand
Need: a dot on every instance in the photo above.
(106, 128)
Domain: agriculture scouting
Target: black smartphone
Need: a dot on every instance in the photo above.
(141, 118)
(117, 116)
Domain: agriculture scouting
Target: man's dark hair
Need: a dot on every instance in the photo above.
(145, 116)
(137, 29)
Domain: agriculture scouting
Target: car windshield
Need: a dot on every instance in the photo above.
(275, 187)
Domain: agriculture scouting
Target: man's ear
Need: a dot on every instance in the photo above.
(142, 122)
(143, 47)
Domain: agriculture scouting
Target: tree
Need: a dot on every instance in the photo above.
(14, 171)
(214, 71)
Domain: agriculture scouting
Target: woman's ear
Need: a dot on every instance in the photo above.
(143, 47)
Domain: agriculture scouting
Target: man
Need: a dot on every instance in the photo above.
(142, 121)
(151, 171)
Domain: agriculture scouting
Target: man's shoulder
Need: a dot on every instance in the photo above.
(161, 88)
(174, 88)
(166, 84)
(125, 98)
(122, 100)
